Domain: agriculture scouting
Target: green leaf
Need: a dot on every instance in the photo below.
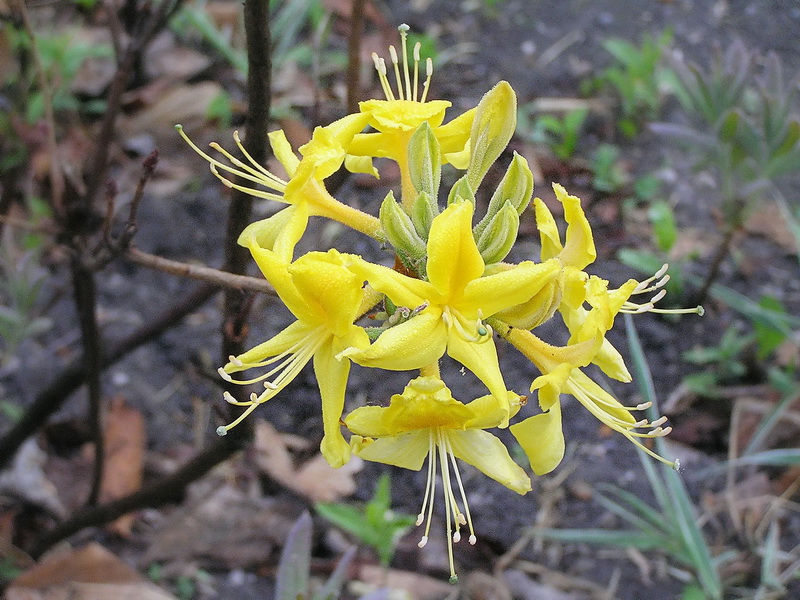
(665, 229)
(768, 338)
(291, 581)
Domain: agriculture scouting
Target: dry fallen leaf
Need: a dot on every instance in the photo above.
(315, 479)
(415, 586)
(124, 440)
(224, 526)
(88, 573)
(768, 221)
(26, 479)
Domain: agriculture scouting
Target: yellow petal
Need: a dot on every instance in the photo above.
(361, 164)
(328, 288)
(414, 344)
(542, 439)
(579, 250)
(332, 380)
(408, 450)
(401, 289)
(548, 230)
(481, 359)
(282, 150)
(453, 257)
(517, 285)
(488, 454)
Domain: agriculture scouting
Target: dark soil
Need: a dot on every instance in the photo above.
(509, 38)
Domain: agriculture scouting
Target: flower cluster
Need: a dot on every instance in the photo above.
(449, 290)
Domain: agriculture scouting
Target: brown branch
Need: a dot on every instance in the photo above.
(354, 55)
(162, 491)
(258, 38)
(213, 276)
(50, 399)
(85, 292)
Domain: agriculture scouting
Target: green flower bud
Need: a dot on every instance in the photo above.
(516, 187)
(425, 160)
(492, 128)
(461, 190)
(499, 236)
(400, 230)
(423, 212)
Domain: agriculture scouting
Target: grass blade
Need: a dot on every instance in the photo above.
(680, 504)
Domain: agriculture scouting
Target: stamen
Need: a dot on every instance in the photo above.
(235, 361)
(258, 166)
(417, 46)
(380, 67)
(468, 519)
(448, 495)
(252, 191)
(429, 73)
(403, 35)
(393, 55)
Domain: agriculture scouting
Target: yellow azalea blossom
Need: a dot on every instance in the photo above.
(321, 157)
(541, 435)
(396, 118)
(425, 420)
(326, 298)
(451, 304)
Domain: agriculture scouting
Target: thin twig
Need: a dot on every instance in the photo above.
(50, 399)
(219, 278)
(257, 33)
(354, 55)
(85, 291)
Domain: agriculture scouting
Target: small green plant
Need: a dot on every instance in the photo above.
(637, 77)
(608, 175)
(744, 132)
(665, 234)
(561, 135)
(723, 363)
(375, 524)
(21, 279)
(61, 57)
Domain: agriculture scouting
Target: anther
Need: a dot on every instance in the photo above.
(253, 397)
(473, 540)
(270, 386)
(420, 519)
(456, 537)
(235, 361)
(658, 296)
(659, 421)
(222, 431)
(224, 375)
(423, 540)
(661, 271)
(644, 405)
(229, 398)
(417, 46)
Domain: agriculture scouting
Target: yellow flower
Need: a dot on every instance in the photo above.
(397, 117)
(326, 298)
(541, 435)
(425, 420)
(321, 157)
(451, 304)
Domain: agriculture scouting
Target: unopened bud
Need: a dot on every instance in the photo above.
(425, 160)
(515, 187)
(498, 238)
(400, 230)
(492, 128)
(461, 190)
(423, 212)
